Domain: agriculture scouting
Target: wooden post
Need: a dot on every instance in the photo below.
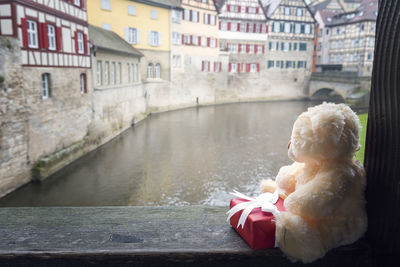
(382, 158)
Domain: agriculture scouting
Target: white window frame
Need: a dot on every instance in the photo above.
(157, 71)
(131, 10)
(233, 67)
(80, 41)
(176, 38)
(299, 11)
(176, 16)
(307, 29)
(105, 4)
(153, 14)
(32, 29)
(132, 35)
(45, 86)
(253, 67)
(259, 49)
(242, 48)
(112, 73)
(106, 73)
(287, 11)
(150, 72)
(77, 2)
(277, 26)
(51, 35)
(224, 26)
(287, 27)
(118, 73)
(243, 27)
(203, 41)
(213, 20)
(194, 16)
(155, 38)
(212, 42)
(234, 48)
(99, 72)
(251, 49)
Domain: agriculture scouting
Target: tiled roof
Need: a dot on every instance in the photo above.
(368, 11)
(110, 41)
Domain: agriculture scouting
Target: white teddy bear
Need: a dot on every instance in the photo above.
(324, 187)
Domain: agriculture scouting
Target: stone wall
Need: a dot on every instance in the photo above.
(14, 166)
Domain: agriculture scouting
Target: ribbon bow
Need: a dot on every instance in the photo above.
(266, 201)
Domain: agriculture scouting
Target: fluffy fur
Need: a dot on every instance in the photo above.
(324, 187)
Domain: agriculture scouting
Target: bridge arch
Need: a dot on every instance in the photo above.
(323, 88)
(325, 93)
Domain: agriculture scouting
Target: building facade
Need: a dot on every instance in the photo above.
(51, 39)
(118, 95)
(144, 24)
(243, 34)
(348, 39)
(289, 52)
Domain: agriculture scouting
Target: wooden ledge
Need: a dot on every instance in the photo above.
(140, 236)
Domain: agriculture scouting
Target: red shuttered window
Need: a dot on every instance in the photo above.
(247, 48)
(238, 27)
(247, 27)
(59, 38)
(229, 67)
(258, 67)
(247, 67)
(24, 32)
(229, 26)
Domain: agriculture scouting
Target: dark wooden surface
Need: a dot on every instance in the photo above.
(382, 158)
(126, 236)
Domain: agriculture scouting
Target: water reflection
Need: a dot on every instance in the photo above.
(190, 156)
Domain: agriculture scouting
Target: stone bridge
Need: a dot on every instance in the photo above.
(324, 84)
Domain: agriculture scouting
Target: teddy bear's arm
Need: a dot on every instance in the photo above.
(319, 197)
(286, 178)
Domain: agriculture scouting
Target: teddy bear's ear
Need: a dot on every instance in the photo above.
(328, 123)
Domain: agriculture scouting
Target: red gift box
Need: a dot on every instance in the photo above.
(259, 228)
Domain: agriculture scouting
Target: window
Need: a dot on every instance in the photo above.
(195, 17)
(203, 41)
(287, 11)
(287, 27)
(153, 14)
(224, 26)
(176, 61)
(212, 42)
(212, 20)
(186, 14)
(253, 67)
(154, 38)
(105, 4)
(297, 28)
(369, 56)
(371, 41)
(51, 34)
(259, 49)
(361, 42)
(106, 26)
(32, 34)
(99, 72)
(243, 27)
(106, 73)
(251, 49)
(176, 16)
(308, 29)
(128, 68)
(131, 10)
(302, 46)
(353, 42)
(135, 68)
(362, 27)
(276, 26)
(45, 85)
(118, 74)
(112, 73)
(271, 64)
(299, 11)
(195, 40)
(243, 48)
(131, 35)
(176, 38)
(158, 70)
(83, 83)
(150, 70)
(327, 31)
(78, 2)
(234, 48)
(234, 67)
(351, 57)
(80, 42)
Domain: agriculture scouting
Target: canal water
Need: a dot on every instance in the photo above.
(184, 157)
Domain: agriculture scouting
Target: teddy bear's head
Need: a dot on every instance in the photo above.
(326, 131)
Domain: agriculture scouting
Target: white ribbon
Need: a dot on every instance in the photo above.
(266, 201)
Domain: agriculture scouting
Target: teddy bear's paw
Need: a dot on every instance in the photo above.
(297, 239)
(268, 186)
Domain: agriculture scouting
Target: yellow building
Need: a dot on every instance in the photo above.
(144, 24)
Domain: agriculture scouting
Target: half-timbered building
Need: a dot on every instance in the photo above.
(290, 42)
(52, 37)
(243, 34)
